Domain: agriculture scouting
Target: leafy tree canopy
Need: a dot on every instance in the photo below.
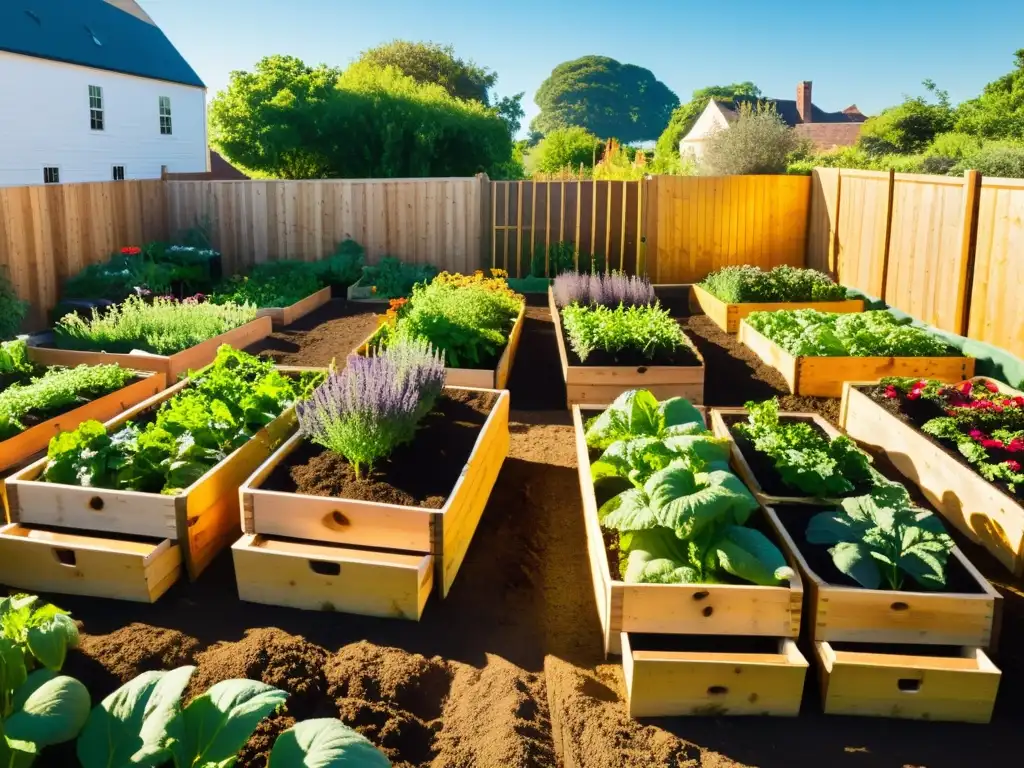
(608, 98)
(998, 113)
(565, 147)
(908, 127)
(758, 142)
(666, 152)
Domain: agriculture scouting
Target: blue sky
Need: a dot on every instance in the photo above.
(869, 53)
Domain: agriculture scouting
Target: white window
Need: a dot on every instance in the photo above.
(51, 174)
(165, 115)
(118, 173)
(95, 107)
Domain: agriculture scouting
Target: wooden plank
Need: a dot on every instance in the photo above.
(281, 316)
(916, 688)
(771, 353)
(713, 684)
(325, 578)
(21, 447)
(728, 316)
(44, 561)
(976, 507)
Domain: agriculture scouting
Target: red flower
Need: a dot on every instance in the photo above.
(988, 443)
(1018, 401)
(890, 391)
(1015, 446)
(1013, 465)
(131, 250)
(965, 389)
(913, 394)
(991, 386)
(977, 434)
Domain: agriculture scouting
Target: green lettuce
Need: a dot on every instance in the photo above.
(638, 413)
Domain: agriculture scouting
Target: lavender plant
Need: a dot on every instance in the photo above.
(599, 290)
(375, 404)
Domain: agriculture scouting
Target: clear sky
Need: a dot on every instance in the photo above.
(869, 52)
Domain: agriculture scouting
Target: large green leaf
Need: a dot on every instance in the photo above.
(216, 724)
(688, 503)
(13, 670)
(658, 556)
(632, 414)
(48, 709)
(855, 560)
(679, 410)
(129, 727)
(629, 511)
(750, 555)
(704, 453)
(18, 754)
(324, 743)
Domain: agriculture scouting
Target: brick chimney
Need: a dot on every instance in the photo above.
(803, 102)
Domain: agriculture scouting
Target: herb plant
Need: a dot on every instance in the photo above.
(739, 285)
(12, 309)
(646, 330)
(224, 405)
(14, 362)
(807, 332)
(392, 278)
(375, 404)
(609, 290)
(271, 284)
(880, 539)
(163, 327)
(806, 459)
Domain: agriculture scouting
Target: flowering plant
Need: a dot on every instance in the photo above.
(131, 250)
(609, 290)
(983, 423)
(375, 404)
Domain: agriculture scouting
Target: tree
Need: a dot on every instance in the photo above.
(757, 142)
(565, 147)
(998, 113)
(433, 63)
(666, 152)
(909, 127)
(608, 98)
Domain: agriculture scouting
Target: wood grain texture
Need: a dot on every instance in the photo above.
(862, 230)
(728, 316)
(823, 218)
(281, 316)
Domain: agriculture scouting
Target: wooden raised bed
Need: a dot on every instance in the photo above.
(600, 385)
(360, 291)
(322, 553)
(978, 508)
(642, 622)
(824, 376)
(475, 378)
(728, 316)
(288, 315)
(145, 532)
(18, 449)
(171, 366)
(859, 678)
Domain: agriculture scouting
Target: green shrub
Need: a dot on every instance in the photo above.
(737, 285)
(271, 284)
(953, 144)
(343, 267)
(758, 142)
(646, 329)
(12, 309)
(1000, 159)
(392, 278)
(565, 148)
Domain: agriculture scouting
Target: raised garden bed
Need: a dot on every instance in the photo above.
(728, 316)
(597, 384)
(374, 554)
(985, 511)
(281, 316)
(42, 350)
(148, 534)
(897, 653)
(824, 376)
(694, 649)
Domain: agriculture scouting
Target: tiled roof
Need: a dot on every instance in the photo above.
(829, 135)
(92, 33)
(788, 112)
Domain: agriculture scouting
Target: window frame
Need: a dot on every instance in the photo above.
(97, 114)
(166, 129)
(113, 172)
(47, 168)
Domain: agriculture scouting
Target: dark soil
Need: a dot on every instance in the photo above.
(421, 473)
(508, 670)
(330, 333)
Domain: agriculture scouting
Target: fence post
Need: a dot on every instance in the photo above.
(888, 234)
(649, 234)
(968, 245)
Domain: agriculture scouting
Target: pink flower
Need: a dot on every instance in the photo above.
(965, 389)
(977, 434)
(1015, 446)
(990, 386)
(1018, 401)
(989, 443)
(1013, 465)
(890, 391)
(913, 394)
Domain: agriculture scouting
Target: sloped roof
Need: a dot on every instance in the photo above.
(829, 135)
(222, 170)
(788, 112)
(92, 33)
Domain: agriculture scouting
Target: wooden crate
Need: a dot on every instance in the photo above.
(979, 509)
(699, 609)
(287, 315)
(728, 316)
(20, 448)
(171, 366)
(331, 527)
(669, 683)
(600, 385)
(959, 688)
(202, 519)
(739, 463)
(853, 614)
(824, 376)
(50, 561)
(475, 378)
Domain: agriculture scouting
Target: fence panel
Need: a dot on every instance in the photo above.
(705, 223)
(863, 229)
(50, 232)
(821, 225)
(436, 221)
(996, 316)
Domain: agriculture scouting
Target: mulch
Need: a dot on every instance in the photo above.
(509, 669)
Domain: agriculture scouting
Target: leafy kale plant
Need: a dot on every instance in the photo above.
(163, 327)
(375, 404)
(739, 285)
(647, 330)
(880, 539)
(806, 459)
(609, 290)
(807, 332)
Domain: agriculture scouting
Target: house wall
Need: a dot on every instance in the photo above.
(710, 120)
(44, 121)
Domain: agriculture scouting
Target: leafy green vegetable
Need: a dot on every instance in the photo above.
(805, 459)
(343, 267)
(391, 278)
(880, 538)
(739, 285)
(271, 284)
(43, 630)
(14, 358)
(637, 413)
(45, 709)
(810, 333)
(647, 330)
(324, 743)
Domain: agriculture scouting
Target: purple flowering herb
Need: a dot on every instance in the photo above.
(375, 404)
(601, 290)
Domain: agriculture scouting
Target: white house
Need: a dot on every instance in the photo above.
(92, 90)
(826, 130)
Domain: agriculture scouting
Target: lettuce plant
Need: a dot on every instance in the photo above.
(375, 404)
(805, 458)
(881, 538)
(324, 743)
(648, 330)
(43, 630)
(609, 290)
(739, 285)
(637, 413)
